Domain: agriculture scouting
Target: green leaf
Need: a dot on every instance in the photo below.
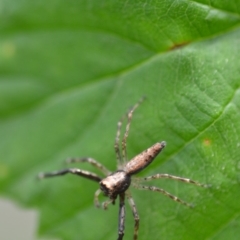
(70, 69)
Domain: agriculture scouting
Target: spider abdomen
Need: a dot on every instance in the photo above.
(115, 183)
(143, 159)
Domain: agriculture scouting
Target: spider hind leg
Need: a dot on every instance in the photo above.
(156, 189)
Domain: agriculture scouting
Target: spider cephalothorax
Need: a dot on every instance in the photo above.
(116, 184)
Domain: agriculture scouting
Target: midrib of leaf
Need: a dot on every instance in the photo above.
(86, 83)
(223, 226)
(102, 78)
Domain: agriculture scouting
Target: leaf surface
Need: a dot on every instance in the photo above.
(70, 69)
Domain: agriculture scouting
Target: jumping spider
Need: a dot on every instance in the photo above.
(117, 183)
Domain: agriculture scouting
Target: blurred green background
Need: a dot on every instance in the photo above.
(70, 69)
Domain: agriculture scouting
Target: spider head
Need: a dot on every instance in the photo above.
(115, 183)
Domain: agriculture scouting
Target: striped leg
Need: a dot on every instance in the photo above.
(117, 145)
(96, 200)
(181, 179)
(79, 172)
(91, 161)
(121, 219)
(156, 189)
(124, 140)
(135, 215)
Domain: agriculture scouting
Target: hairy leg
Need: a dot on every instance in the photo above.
(124, 140)
(121, 220)
(156, 189)
(75, 171)
(91, 161)
(181, 179)
(135, 215)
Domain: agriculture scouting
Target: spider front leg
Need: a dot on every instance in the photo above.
(75, 171)
(104, 204)
(129, 116)
(135, 215)
(96, 200)
(91, 161)
(121, 220)
(116, 144)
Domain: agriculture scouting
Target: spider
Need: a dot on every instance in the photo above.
(116, 184)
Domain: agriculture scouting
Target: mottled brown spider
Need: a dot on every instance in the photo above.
(117, 183)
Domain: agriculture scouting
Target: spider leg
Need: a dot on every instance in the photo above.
(91, 161)
(79, 172)
(135, 215)
(156, 189)
(181, 179)
(96, 195)
(124, 140)
(106, 203)
(121, 219)
(116, 144)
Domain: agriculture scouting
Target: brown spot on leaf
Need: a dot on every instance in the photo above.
(207, 142)
(178, 45)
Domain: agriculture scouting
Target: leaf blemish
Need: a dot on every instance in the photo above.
(207, 142)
